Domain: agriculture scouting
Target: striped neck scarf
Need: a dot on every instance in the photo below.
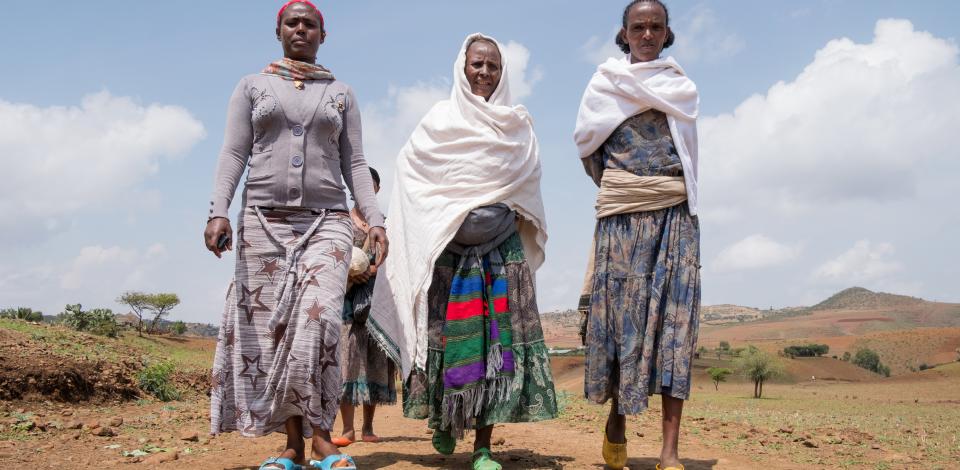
(478, 362)
(290, 69)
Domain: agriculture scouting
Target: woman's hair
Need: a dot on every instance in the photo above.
(626, 12)
(375, 176)
(306, 2)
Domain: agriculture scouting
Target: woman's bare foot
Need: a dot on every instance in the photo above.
(368, 435)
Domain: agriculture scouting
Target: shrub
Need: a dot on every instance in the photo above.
(21, 313)
(99, 321)
(724, 346)
(806, 350)
(925, 366)
(870, 360)
(103, 322)
(156, 379)
(178, 328)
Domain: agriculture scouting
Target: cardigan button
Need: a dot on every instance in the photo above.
(298, 130)
(294, 193)
(296, 161)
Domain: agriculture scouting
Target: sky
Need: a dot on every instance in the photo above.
(827, 157)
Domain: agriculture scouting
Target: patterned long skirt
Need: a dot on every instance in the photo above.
(277, 352)
(644, 311)
(531, 395)
(368, 374)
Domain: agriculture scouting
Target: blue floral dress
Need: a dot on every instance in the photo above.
(644, 310)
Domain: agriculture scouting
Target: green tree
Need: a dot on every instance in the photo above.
(161, 305)
(870, 360)
(178, 328)
(718, 374)
(139, 303)
(724, 346)
(758, 366)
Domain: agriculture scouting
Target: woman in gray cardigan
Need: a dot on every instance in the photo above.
(298, 130)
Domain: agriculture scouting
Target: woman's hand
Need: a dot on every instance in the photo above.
(216, 227)
(378, 240)
(363, 277)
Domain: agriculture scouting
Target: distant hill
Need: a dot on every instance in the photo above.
(726, 313)
(858, 298)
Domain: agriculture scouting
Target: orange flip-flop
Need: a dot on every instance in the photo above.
(341, 441)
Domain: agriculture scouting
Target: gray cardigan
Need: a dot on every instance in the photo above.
(301, 146)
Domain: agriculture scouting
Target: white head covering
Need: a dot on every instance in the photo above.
(465, 153)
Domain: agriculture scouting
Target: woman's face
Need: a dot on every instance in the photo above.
(299, 32)
(646, 31)
(483, 68)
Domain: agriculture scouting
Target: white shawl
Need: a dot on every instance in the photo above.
(620, 90)
(465, 153)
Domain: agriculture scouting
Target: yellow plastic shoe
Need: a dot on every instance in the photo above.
(670, 468)
(614, 455)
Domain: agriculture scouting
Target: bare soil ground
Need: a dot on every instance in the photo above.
(841, 419)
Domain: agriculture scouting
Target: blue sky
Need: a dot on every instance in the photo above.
(825, 162)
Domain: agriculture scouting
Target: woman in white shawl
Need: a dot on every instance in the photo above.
(636, 136)
(455, 304)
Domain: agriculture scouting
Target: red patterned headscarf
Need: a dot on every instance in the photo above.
(291, 2)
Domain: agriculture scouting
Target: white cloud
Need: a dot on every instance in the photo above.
(701, 37)
(753, 252)
(112, 267)
(59, 160)
(866, 262)
(517, 57)
(857, 124)
(598, 49)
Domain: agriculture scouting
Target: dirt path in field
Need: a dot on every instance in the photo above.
(558, 444)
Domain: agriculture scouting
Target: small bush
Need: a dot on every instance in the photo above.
(806, 350)
(925, 366)
(156, 379)
(178, 328)
(870, 360)
(21, 313)
(99, 321)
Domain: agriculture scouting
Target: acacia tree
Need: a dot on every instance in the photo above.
(161, 304)
(759, 366)
(139, 303)
(718, 374)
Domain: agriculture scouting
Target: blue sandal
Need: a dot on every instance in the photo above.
(287, 464)
(328, 461)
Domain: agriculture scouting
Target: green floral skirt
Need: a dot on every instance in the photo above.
(531, 397)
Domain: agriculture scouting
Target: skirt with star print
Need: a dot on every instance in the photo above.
(278, 349)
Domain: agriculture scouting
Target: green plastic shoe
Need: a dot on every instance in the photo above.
(444, 442)
(482, 460)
